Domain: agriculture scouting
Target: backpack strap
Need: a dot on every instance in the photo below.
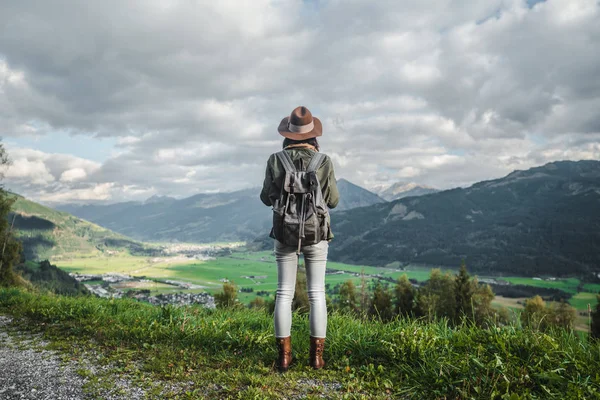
(286, 161)
(315, 162)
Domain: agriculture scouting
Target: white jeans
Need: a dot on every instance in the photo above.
(315, 258)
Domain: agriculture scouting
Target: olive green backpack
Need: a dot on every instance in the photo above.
(300, 215)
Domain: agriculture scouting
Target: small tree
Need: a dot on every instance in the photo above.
(228, 297)
(436, 297)
(481, 300)
(562, 315)
(404, 296)
(463, 293)
(595, 325)
(10, 248)
(258, 303)
(348, 299)
(534, 314)
(381, 303)
(538, 315)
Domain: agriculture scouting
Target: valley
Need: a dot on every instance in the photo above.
(255, 274)
(532, 232)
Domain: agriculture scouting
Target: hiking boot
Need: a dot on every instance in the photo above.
(317, 345)
(284, 347)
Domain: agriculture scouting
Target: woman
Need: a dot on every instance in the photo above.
(300, 130)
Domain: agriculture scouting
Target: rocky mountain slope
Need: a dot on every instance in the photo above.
(400, 190)
(353, 196)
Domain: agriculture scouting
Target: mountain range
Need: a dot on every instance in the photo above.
(545, 220)
(215, 217)
(542, 221)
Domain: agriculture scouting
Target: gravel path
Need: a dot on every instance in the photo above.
(30, 371)
(26, 372)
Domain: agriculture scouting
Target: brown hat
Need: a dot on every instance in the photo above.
(300, 125)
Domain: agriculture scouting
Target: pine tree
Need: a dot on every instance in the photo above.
(463, 293)
(404, 296)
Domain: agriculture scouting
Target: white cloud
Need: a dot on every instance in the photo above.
(34, 172)
(443, 93)
(97, 192)
(73, 174)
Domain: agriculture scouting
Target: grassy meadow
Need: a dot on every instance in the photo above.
(229, 353)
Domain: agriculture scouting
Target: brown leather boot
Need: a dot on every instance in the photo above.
(284, 347)
(317, 345)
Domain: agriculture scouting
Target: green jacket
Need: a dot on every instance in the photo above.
(275, 174)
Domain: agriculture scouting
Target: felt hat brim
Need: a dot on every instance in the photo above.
(284, 130)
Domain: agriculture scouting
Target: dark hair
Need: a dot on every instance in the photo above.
(311, 141)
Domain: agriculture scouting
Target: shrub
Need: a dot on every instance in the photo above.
(228, 297)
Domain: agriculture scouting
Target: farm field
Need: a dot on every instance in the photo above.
(568, 285)
(257, 270)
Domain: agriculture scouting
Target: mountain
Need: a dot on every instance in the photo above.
(160, 199)
(353, 196)
(207, 217)
(542, 221)
(47, 233)
(400, 190)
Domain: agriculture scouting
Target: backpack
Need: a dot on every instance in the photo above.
(300, 215)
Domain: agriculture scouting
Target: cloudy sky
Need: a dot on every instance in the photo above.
(111, 100)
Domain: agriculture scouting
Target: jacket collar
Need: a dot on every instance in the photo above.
(301, 146)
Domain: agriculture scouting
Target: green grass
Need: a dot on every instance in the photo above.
(568, 285)
(206, 273)
(123, 263)
(581, 300)
(592, 287)
(232, 352)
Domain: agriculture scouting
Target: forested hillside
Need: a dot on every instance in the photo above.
(543, 221)
(46, 233)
